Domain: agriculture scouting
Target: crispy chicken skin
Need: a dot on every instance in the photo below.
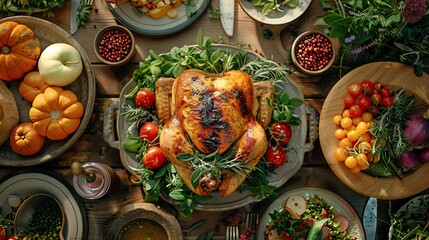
(213, 112)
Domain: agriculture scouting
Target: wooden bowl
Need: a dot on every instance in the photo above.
(99, 37)
(397, 76)
(295, 46)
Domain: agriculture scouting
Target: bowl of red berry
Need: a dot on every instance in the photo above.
(313, 52)
(114, 45)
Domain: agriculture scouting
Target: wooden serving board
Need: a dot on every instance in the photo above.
(395, 75)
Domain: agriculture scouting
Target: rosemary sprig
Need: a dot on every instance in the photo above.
(388, 131)
(214, 163)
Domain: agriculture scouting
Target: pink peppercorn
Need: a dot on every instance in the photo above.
(313, 52)
(115, 45)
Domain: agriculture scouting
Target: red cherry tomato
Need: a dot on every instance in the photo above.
(2, 233)
(387, 101)
(376, 98)
(355, 89)
(355, 111)
(385, 92)
(12, 238)
(154, 158)
(364, 102)
(276, 156)
(282, 132)
(349, 100)
(374, 110)
(149, 131)
(378, 86)
(145, 99)
(368, 87)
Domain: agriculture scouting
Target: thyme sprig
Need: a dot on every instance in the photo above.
(388, 130)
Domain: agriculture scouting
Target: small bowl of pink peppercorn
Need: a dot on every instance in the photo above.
(114, 45)
(313, 52)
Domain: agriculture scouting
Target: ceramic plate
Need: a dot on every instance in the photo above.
(277, 17)
(25, 184)
(84, 87)
(238, 199)
(333, 199)
(393, 74)
(125, 14)
(413, 209)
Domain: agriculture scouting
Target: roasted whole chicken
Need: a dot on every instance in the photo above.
(213, 113)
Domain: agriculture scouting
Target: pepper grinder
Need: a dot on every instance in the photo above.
(92, 180)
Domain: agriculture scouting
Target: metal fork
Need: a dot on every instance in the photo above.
(232, 233)
(252, 221)
(89, 2)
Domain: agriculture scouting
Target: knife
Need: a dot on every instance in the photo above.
(370, 218)
(73, 15)
(227, 12)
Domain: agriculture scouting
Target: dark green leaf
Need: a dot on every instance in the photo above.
(338, 31)
(332, 18)
(177, 195)
(185, 157)
(195, 178)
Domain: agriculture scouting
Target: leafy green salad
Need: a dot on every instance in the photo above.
(307, 218)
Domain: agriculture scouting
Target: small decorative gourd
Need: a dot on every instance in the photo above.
(56, 113)
(19, 50)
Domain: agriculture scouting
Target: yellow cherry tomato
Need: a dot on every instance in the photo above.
(364, 147)
(337, 119)
(353, 135)
(340, 134)
(350, 162)
(346, 113)
(346, 122)
(366, 117)
(345, 143)
(340, 154)
(362, 161)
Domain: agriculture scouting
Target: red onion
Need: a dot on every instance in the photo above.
(417, 129)
(424, 155)
(407, 160)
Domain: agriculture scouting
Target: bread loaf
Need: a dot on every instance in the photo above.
(9, 115)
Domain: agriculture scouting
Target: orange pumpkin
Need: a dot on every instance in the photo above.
(56, 113)
(19, 50)
(25, 140)
(32, 85)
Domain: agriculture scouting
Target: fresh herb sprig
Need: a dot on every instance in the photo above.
(388, 130)
(214, 163)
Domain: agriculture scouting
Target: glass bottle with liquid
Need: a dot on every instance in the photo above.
(93, 180)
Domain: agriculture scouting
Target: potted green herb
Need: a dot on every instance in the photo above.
(381, 30)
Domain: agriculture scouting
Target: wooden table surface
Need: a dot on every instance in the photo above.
(110, 80)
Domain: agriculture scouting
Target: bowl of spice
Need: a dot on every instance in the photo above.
(114, 45)
(313, 52)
